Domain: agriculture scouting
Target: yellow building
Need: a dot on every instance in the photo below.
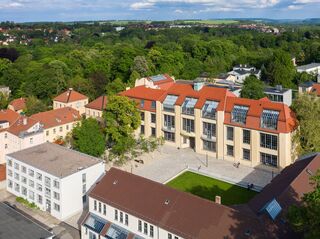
(57, 123)
(95, 108)
(71, 98)
(213, 121)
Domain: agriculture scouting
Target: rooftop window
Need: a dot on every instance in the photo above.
(169, 102)
(188, 106)
(269, 119)
(94, 223)
(239, 114)
(115, 232)
(209, 109)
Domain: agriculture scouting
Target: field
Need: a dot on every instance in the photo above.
(211, 22)
(208, 188)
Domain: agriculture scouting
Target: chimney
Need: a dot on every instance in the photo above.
(279, 87)
(218, 200)
(25, 121)
(198, 84)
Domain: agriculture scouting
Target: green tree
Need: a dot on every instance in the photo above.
(115, 87)
(281, 69)
(4, 64)
(121, 119)
(140, 65)
(253, 88)
(3, 101)
(34, 105)
(307, 110)
(305, 219)
(88, 137)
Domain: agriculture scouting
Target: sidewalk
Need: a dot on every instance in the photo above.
(166, 163)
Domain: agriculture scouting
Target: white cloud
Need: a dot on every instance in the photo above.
(141, 5)
(9, 4)
(294, 7)
(178, 11)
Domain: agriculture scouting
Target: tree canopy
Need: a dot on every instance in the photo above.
(87, 137)
(253, 88)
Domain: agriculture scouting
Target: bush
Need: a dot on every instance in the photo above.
(26, 203)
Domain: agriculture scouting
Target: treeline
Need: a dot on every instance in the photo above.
(95, 61)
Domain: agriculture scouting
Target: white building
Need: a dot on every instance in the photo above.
(241, 72)
(53, 177)
(123, 205)
(279, 94)
(313, 68)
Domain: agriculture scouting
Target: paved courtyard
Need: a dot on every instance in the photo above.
(166, 162)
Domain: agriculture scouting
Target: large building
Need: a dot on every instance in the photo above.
(57, 123)
(215, 122)
(312, 68)
(155, 211)
(18, 132)
(71, 98)
(53, 177)
(241, 72)
(123, 205)
(96, 107)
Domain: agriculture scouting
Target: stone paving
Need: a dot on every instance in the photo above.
(165, 163)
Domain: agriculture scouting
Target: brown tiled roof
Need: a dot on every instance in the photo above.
(316, 89)
(57, 117)
(18, 104)
(98, 104)
(289, 186)
(185, 215)
(286, 122)
(8, 115)
(70, 96)
(21, 125)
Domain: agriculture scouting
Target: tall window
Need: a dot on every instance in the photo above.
(169, 122)
(229, 133)
(169, 136)
(139, 226)
(239, 114)
(153, 118)
(145, 228)
(269, 159)
(169, 102)
(209, 145)
(121, 217)
(95, 205)
(116, 214)
(126, 219)
(209, 109)
(246, 154)
(188, 125)
(141, 103)
(188, 106)
(230, 150)
(246, 137)
(153, 105)
(142, 129)
(104, 209)
(153, 131)
(209, 130)
(151, 231)
(268, 141)
(142, 116)
(269, 119)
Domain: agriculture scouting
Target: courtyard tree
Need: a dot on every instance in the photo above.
(34, 105)
(88, 137)
(252, 88)
(307, 109)
(121, 119)
(305, 219)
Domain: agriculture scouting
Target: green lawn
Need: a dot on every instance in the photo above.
(208, 188)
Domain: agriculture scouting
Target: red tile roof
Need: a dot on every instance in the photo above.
(9, 115)
(316, 89)
(2, 172)
(184, 214)
(18, 104)
(70, 96)
(21, 125)
(145, 93)
(286, 121)
(164, 84)
(57, 117)
(98, 104)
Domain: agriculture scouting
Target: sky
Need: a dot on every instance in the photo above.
(81, 10)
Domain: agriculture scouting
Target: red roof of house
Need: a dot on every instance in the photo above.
(57, 117)
(286, 121)
(164, 84)
(180, 213)
(9, 115)
(70, 96)
(21, 125)
(19, 104)
(316, 89)
(98, 104)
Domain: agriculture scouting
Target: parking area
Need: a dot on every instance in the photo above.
(60, 229)
(167, 162)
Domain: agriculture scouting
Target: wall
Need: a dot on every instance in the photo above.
(60, 131)
(93, 113)
(78, 105)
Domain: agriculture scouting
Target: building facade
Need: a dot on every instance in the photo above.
(312, 68)
(279, 94)
(53, 177)
(71, 98)
(155, 211)
(95, 108)
(57, 123)
(213, 121)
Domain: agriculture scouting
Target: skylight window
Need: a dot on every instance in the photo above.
(94, 223)
(273, 208)
(269, 119)
(115, 232)
(169, 102)
(188, 106)
(209, 109)
(239, 114)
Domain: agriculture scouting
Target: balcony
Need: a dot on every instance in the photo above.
(187, 111)
(209, 115)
